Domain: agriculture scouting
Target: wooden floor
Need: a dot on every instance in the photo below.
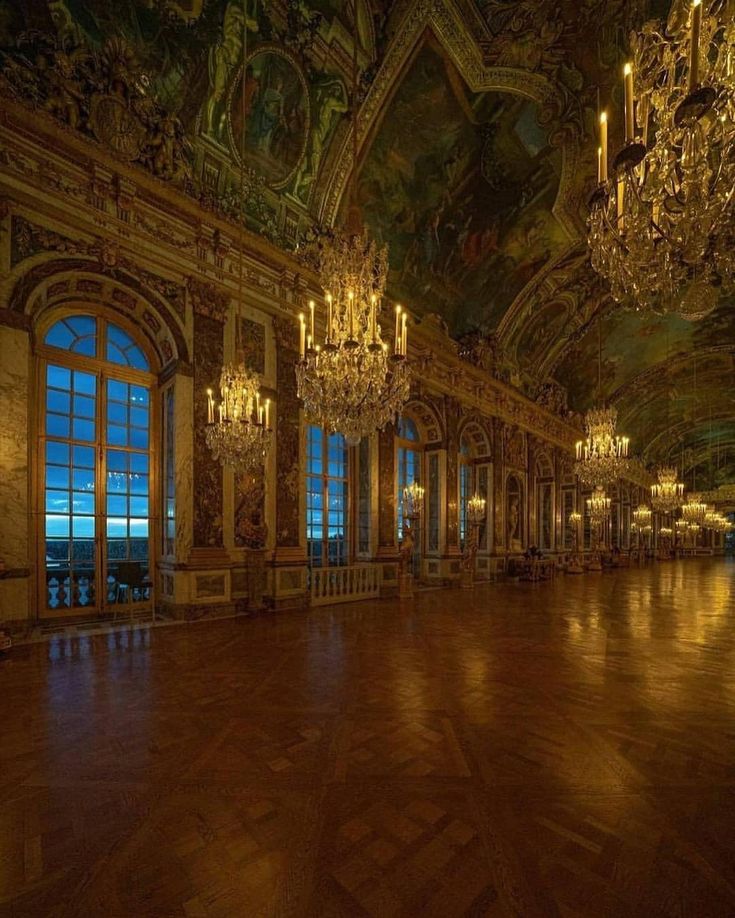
(536, 750)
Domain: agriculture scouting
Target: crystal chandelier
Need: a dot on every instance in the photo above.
(350, 384)
(668, 493)
(603, 456)
(238, 428)
(598, 506)
(693, 511)
(661, 227)
(238, 431)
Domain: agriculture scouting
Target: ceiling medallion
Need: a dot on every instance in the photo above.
(661, 226)
(668, 493)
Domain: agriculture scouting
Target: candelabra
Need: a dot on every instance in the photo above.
(475, 517)
(238, 428)
(642, 517)
(661, 225)
(413, 505)
(598, 510)
(574, 565)
(603, 456)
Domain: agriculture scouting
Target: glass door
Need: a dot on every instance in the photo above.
(95, 470)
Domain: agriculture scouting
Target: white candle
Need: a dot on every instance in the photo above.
(373, 319)
(397, 345)
(267, 412)
(351, 314)
(220, 412)
(329, 318)
(302, 337)
(694, 45)
(404, 334)
(603, 146)
(629, 115)
(311, 310)
(257, 405)
(210, 407)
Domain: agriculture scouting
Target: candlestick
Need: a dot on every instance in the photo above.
(629, 113)
(397, 344)
(694, 45)
(603, 146)
(302, 336)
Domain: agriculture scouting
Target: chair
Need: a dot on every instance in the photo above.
(130, 577)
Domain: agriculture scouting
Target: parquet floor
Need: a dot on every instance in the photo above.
(562, 749)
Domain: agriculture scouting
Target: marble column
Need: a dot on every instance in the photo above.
(288, 586)
(15, 518)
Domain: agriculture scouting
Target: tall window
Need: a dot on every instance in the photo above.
(327, 483)
(95, 465)
(409, 464)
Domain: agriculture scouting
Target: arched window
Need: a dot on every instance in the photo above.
(475, 477)
(95, 464)
(327, 484)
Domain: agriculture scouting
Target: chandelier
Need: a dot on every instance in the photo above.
(603, 456)
(642, 517)
(598, 506)
(350, 383)
(238, 428)
(661, 225)
(694, 511)
(668, 493)
(238, 431)
(476, 510)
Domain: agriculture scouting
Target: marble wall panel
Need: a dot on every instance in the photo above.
(207, 478)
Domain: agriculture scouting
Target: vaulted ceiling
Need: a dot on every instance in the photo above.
(475, 162)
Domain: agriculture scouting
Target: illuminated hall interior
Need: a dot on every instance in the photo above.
(367, 458)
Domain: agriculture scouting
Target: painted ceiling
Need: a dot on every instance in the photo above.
(476, 159)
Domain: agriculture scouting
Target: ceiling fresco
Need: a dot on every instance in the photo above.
(461, 187)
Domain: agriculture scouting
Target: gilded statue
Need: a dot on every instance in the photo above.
(405, 552)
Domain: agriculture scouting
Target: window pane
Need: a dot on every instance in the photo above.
(85, 383)
(59, 335)
(117, 391)
(83, 430)
(139, 395)
(81, 325)
(57, 501)
(58, 377)
(58, 401)
(138, 438)
(138, 529)
(83, 457)
(117, 527)
(57, 476)
(117, 505)
(83, 480)
(117, 413)
(83, 501)
(139, 506)
(87, 347)
(58, 453)
(139, 484)
(117, 461)
(57, 425)
(139, 462)
(139, 417)
(57, 526)
(83, 527)
(83, 406)
(117, 436)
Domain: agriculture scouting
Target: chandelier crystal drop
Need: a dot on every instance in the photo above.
(598, 506)
(603, 456)
(662, 220)
(350, 383)
(667, 493)
(238, 428)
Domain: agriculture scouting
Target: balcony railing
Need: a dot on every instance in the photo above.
(331, 585)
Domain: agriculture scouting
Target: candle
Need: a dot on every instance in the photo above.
(621, 205)
(220, 412)
(373, 318)
(351, 314)
(694, 45)
(210, 407)
(308, 342)
(302, 337)
(599, 165)
(643, 117)
(404, 334)
(311, 310)
(397, 345)
(257, 405)
(603, 146)
(260, 414)
(629, 114)
(267, 412)
(329, 318)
